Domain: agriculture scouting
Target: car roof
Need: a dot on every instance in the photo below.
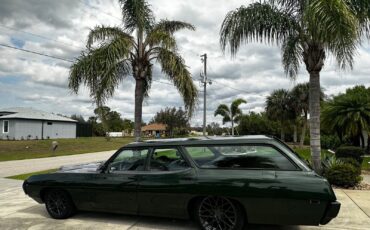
(202, 140)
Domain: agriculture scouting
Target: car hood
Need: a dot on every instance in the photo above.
(81, 168)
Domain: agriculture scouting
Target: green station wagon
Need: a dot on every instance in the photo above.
(222, 182)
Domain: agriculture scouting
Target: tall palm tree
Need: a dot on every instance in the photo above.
(278, 108)
(113, 54)
(306, 31)
(232, 114)
(349, 113)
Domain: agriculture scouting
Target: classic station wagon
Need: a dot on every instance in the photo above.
(223, 183)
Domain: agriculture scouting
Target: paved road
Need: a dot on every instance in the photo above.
(10, 168)
(17, 211)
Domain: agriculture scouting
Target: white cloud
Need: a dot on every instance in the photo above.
(31, 80)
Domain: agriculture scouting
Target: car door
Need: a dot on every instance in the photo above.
(165, 188)
(299, 198)
(115, 188)
(294, 202)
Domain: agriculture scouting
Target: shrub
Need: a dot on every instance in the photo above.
(330, 142)
(350, 152)
(343, 175)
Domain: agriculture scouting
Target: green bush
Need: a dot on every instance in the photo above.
(330, 142)
(350, 152)
(343, 175)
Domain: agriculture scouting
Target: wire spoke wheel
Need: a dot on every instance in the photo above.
(217, 213)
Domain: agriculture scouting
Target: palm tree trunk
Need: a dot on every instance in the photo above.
(282, 134)
(314, 108)
(139, 96)
(295, 133)
(303, 134)
(232, 128)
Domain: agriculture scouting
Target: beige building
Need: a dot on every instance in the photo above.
(154, 130)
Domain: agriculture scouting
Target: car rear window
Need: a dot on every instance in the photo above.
(240, 157)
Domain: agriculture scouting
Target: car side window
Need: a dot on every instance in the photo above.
(129, 160)
(240, 157)
(167, 159)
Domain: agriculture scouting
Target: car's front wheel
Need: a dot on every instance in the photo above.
(218, 213)
(59, 204)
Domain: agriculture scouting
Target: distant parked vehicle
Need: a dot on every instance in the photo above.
(223, 183)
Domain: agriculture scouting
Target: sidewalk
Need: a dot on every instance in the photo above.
(11, 168)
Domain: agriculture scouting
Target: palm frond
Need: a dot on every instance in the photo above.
(332, 23)
(162, 39)
(148, 81)
(234, 108)
(257, 22)
(224, 111)
(291, 56)
(102, 33)
(136, 15)
(173, 66)
(361, 8)
(101, 69)
(172, 26)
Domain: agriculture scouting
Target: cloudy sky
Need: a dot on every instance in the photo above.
(60, 28)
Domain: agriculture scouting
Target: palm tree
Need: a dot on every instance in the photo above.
(300, 102)
(278, 108)
(232, 114)
(306, 31)
(349, 113)
(113, 54)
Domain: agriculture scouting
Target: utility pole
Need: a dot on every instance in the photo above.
(205, 82)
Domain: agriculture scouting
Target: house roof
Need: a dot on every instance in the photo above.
(154, 127)
(31, 114)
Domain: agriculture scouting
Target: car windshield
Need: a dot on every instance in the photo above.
(240, 157)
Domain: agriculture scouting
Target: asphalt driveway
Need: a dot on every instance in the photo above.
(17, 211)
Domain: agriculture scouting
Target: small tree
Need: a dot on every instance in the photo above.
(279, 108)
(232, 114)
(176, 120)
(349, 113)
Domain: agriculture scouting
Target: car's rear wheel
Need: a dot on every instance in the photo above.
(59, 204)
(218, 213)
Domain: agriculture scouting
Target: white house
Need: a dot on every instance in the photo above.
(28, 123)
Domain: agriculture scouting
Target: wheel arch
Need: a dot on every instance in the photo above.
(43, 192)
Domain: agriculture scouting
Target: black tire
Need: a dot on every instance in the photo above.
(219, 213)
(59, 204)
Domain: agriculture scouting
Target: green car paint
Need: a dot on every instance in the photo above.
(268, 196)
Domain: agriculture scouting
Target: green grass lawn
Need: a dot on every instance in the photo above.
(305, 152)
(366, 164)
(26, 175)
(18, 150)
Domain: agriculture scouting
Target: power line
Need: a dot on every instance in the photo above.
(59, 58)
(37, 53)
(40, 36)
(230, 86)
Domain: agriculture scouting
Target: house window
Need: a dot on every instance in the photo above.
(50, 123)
(5, 126)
